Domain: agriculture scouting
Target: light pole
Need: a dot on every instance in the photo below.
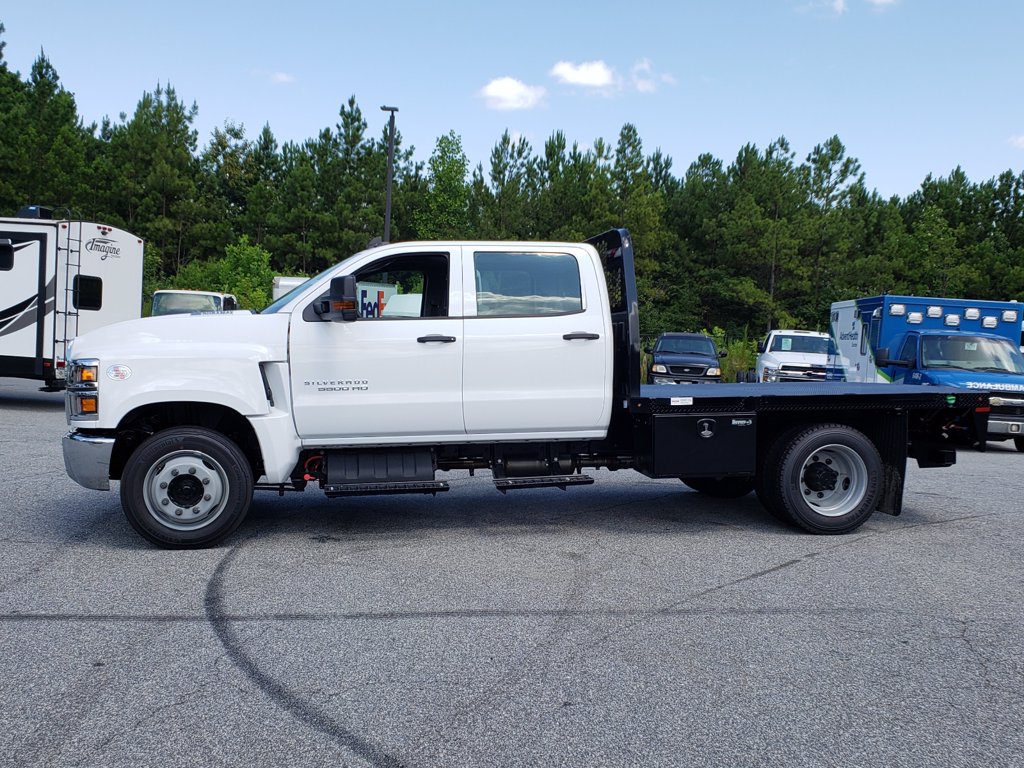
(391, 168)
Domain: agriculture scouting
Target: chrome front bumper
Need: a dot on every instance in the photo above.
(87, 459)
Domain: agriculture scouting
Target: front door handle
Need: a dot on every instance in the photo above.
(435, 337)
(581, 335)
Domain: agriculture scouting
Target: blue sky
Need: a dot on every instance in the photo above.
(911, 87)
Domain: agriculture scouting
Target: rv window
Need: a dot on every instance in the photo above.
(6, 255)
(87, 292)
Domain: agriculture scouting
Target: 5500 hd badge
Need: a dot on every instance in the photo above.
(347, 385)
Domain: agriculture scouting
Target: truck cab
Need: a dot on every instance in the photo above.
(179, 302)
(684, 358)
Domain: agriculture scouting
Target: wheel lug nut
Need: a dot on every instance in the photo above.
(195, 510)
(206, 481)
(165, 502)
(177, 512)
(191, 470)
(174, 472)
(163, 486)
(207, 497)
(821, 495)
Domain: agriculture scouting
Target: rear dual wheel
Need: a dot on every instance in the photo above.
(825, 478)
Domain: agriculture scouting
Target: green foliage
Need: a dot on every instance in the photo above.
(244, 271)
(740, 353)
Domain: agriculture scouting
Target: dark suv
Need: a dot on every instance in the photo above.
(684, 358)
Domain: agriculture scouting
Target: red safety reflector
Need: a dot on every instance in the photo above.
(47, 364)
(60, 363)
(983, 409)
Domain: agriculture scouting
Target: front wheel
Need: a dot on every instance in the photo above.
(1019, 442)
(186, 487)
(826, 478)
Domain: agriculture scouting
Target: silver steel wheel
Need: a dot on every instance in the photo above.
(186, 490)
(834, 480)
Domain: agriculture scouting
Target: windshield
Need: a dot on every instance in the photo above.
(685, 345)
(182, 303)
(971, 353)
(809, 345)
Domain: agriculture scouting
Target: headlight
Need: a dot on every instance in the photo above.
(84, 372)
(658, 368)
(713, 372)
(770, 374)
(82, 398)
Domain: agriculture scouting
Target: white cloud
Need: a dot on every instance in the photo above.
(839, 6)
(590, 74)
(1017, 141)
(646, 79)
(274, 78)
(882, 3)
(507, 93)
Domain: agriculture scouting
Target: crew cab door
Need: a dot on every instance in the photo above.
(388, 374)
(538, 355)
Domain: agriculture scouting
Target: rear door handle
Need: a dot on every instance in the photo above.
(575, 335)
(435, 337)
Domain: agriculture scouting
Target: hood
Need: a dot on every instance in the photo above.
(215, 335)
(683, 358)
(799, 358)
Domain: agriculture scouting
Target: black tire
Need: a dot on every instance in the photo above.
(825, 478)
(1019, 442)
(186, 487)
(721, 487)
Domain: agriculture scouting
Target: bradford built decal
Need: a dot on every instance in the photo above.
(104, 246)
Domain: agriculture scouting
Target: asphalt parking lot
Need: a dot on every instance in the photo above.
(627, 623)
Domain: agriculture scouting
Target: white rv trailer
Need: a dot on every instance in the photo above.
(59, 279)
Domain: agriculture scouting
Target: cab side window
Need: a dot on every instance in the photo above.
(525, 284)
(404, 287)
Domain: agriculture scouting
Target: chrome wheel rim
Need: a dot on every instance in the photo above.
(186, 490)
(833, 480)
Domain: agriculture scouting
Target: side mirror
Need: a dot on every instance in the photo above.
(723, 353)
(882, 359)
(341, 301)
(229, 305)
(649, 350)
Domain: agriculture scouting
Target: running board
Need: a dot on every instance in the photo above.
(378, 489)
(504, 484)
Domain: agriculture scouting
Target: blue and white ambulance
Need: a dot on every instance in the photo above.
(965, 343)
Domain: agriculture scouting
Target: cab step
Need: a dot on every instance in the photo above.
(504, 484)
(379, 489)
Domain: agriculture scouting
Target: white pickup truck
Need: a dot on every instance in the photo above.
(791, 355)
(520, 358)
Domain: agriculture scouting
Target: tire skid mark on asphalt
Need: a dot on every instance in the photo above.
(417, 616)
(517, 670)
(57, 549)
(279, 694)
